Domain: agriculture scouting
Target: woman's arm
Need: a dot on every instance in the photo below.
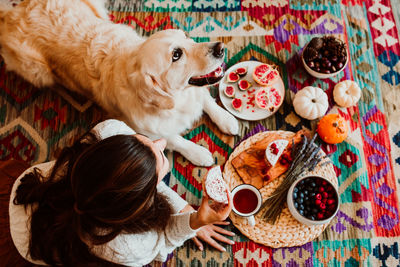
(140, 249)
(177, 203)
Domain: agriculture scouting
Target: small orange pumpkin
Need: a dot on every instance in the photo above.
(332, 129)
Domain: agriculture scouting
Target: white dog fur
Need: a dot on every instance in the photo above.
(73, 43)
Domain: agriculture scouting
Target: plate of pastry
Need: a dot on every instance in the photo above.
(252, 90)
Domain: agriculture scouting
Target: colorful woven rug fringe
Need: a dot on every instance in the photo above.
(35, 123)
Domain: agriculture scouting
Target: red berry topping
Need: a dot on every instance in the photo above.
(324, 183)
(324, 200)
(324, 194)
(317, 202)
(322, 206)
(266, 177)
(273, 145)
(283, 161)
(321, 189)
(318, 196)
(320, 215)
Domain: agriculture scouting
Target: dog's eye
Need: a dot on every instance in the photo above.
(176, 54)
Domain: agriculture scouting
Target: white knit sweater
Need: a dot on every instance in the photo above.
(126, 249)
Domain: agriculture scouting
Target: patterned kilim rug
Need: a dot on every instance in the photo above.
(36, 123)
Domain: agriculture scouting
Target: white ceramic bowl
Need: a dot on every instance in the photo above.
(302, 219)
(319, 74)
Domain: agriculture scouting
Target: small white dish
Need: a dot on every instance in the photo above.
(302, 219)
(320, 75)
(250, 111)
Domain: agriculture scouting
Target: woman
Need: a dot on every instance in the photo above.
(103, 202)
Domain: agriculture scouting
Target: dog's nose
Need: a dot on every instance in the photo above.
(218, 50)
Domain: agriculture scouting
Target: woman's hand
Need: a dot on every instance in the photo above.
(210, 214)
(212, 233)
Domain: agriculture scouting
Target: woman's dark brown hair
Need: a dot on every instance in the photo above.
(95, 191)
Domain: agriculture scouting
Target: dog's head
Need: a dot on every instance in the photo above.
(169, 61)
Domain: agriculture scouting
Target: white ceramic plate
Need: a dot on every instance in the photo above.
(250, 110)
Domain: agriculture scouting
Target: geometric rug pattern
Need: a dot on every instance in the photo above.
(36, 123)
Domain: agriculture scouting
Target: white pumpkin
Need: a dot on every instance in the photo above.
(346, 93)
(310, 103)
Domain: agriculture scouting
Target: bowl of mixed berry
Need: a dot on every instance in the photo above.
(313, 200)
(324, 57)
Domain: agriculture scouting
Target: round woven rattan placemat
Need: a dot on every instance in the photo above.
(287, 231)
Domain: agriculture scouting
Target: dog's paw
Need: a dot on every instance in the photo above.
(200, 156)
(228, 123)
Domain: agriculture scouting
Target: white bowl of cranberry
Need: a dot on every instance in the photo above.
(325, 57)
(313, 200)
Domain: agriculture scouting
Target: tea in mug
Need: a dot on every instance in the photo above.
(245, 201)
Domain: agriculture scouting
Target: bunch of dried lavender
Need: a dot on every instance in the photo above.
(305, 158)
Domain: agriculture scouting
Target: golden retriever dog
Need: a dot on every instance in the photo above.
(154, 84)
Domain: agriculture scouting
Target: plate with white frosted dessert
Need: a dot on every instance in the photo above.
(252, 90)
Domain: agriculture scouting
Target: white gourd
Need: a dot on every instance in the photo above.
(310, 103)
(346, 93)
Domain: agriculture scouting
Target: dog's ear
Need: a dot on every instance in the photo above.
(155, 95)
(149, 91)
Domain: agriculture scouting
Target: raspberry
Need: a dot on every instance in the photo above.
(317, 202)
(331, 201)
(287, 157)
(320, 215)
(322, 206)
(283, 161)
(324, 194)
(274, 150)
(318, 196)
